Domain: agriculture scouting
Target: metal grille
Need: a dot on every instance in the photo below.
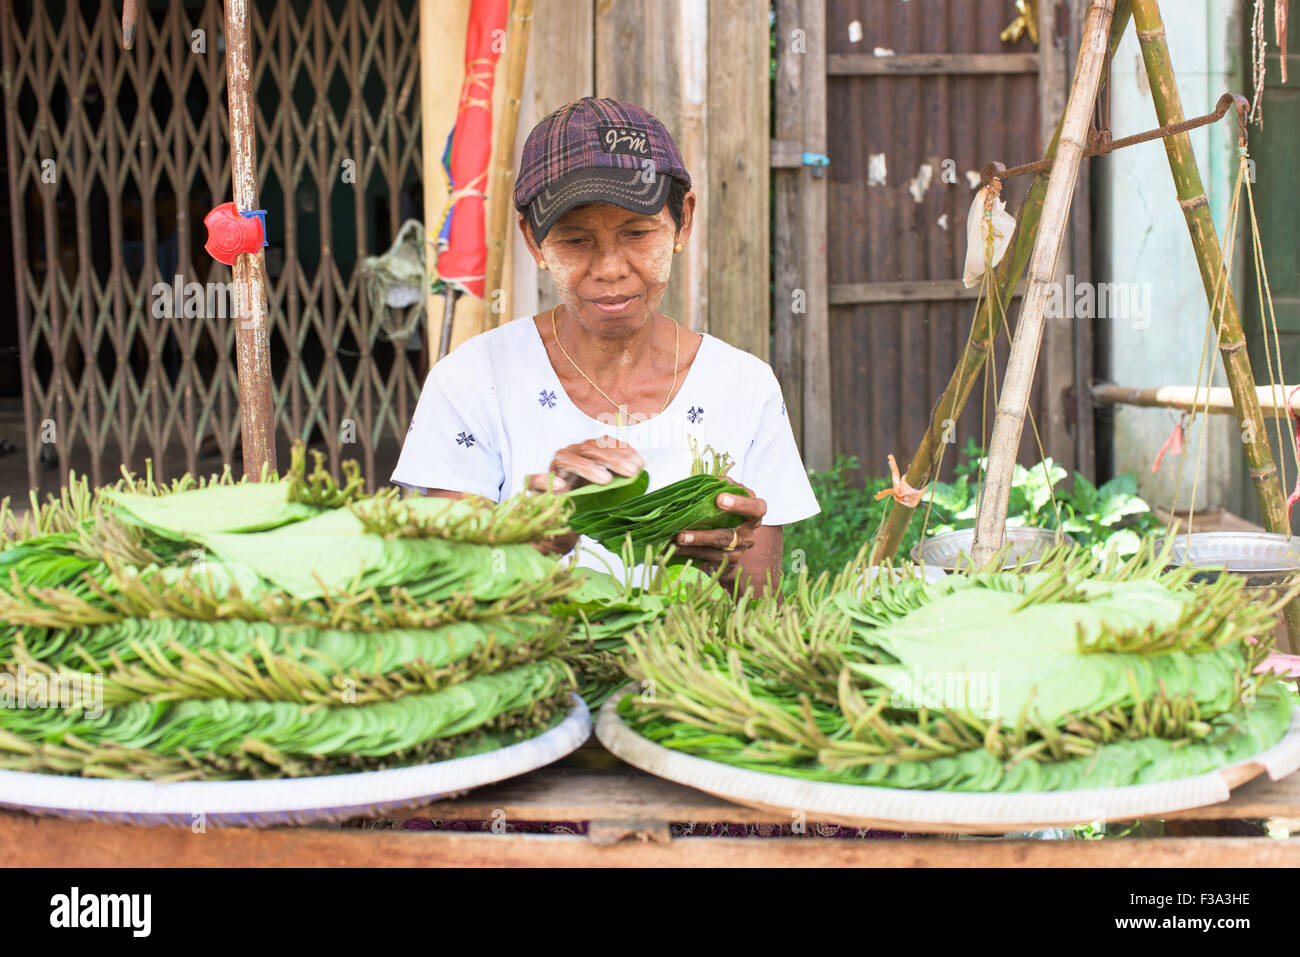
(115, 157)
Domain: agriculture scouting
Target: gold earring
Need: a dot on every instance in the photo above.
(543, 265)
(678, 248)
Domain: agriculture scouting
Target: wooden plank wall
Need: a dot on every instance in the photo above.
(738, 173)
(800, 301)
(701, 66)
(947, 92)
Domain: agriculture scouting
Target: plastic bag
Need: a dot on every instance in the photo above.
(1003, 225)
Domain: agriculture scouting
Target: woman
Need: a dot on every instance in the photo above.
(604, 384)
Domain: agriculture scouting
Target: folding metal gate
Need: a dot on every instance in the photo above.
(114, 158)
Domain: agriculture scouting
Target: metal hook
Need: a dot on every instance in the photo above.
(1243, 110)
(1101, 143)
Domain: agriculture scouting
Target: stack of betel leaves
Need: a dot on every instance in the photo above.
(621, 511)
(604, 611)
(282, 628)
(1070, 676)
(639, 527)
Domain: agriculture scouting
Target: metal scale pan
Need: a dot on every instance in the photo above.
(1264, 559)
(951, 550)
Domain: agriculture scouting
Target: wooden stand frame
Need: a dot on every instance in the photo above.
(629, 813)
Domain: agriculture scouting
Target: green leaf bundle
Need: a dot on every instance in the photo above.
(604, 611)
(220, 738)
(288, 627)
(652, 520)
(1069, 677)
(176, 659)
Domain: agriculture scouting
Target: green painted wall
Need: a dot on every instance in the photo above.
(1275, 149)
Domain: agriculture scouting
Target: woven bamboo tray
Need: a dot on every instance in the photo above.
(938, 811)
(334, 797)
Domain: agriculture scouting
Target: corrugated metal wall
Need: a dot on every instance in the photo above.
(893, 346)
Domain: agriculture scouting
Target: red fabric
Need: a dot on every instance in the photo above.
(1174, 444)
(463, 263)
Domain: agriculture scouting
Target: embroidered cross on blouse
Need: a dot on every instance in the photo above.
(695, 414)
(546, 399)
(466, 439)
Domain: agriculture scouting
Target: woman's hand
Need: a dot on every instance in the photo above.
(594, 461)
(730, 548)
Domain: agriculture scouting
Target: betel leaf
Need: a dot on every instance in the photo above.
(951, 496)
(1118, 498)
(1115, 507)
(1125, 484)
(1123, 543)
(652, 520)
(1039, 481)
(593, 497)
(1085, 495)
(191, 514)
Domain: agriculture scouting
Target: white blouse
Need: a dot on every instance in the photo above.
(493, 412)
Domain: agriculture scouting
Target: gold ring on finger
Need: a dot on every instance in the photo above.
(735, 540)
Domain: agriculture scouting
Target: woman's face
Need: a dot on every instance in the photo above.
(611, 265)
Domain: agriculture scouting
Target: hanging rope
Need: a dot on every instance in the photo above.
(1279, 30)
(1258, 44)
(991, 195)
(989, 291)
(1272, 341)
(1268, 317)
(1218, 303)
(1258, 52)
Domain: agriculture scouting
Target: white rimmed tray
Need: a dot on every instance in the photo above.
(333, 797)
(938, 811)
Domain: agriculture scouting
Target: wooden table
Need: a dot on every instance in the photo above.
(629, 813)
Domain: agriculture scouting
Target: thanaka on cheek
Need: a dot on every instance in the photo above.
(562, 274)
(653, 266)
(659, 263)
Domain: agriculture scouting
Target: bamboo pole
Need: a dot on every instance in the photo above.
(1276, 401)
(924, 462)
(503, 169)
(1209, 257)
(252, 334)
(1014, 401)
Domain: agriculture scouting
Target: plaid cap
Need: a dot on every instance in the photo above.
(595, 151)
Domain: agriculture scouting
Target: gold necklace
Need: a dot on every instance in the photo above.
(618, 408)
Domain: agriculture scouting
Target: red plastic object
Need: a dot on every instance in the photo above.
(230, 234)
